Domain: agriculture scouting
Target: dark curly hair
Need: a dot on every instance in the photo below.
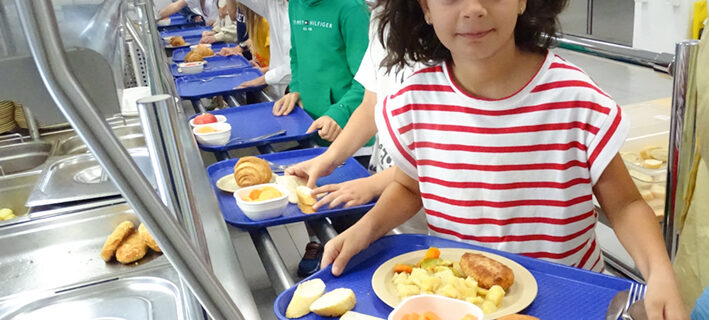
(408, 38)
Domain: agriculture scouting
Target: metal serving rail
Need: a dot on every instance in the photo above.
(40, 26)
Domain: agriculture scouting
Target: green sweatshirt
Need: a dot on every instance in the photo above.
(328, 41)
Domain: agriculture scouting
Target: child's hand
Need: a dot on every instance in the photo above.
(208, 40)
(327, 128)
(226, 51)
(210, 23)
(340, 249)
(285, 105)
(662, 299)
(208, 33)
(351, 193)
(254, 82)
(313, 169)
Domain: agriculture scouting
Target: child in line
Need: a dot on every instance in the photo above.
(207, 9)
(328, 40)
(270, 35)
(505, 144)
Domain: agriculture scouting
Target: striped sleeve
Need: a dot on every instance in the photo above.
(394, 136)
(607, 142)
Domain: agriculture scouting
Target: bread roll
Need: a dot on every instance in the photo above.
(177, 41)
(305, 294)
(334, 303)
(115, 238)
(250, 171)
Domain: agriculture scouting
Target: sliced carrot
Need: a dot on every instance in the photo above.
(469, 317)
(432, 253)
(403, 268)
(428, 315)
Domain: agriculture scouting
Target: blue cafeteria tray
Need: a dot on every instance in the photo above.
(564, 292)
(256, 120)
(233, 215)
(217, 83)
(178, 22)
(186, 32)
(216, 63)
(178, 55)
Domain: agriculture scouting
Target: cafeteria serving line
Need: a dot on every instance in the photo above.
(257, 159)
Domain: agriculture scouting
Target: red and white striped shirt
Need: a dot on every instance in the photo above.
(513, 174)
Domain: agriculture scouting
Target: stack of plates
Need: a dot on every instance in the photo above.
(20, 116)
(7, 116)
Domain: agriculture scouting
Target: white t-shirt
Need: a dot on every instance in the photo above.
(210, 11)
(375, 79)
(276, 12)
(513, 174)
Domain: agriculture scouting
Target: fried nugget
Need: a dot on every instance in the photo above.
(148, 238)
(114, 240)
(487, 272)
(131, 249)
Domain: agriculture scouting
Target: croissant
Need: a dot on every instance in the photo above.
(250, 171)
(177, 41)
(203, 51)
(193, 57)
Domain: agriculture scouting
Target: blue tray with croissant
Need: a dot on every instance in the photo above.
(350, 170)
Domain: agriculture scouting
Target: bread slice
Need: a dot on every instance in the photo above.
(353, 315)
(334, 303)
(291, 183)
(305, 195)
(305, 294)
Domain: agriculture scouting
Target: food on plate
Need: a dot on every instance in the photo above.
(199, 53)
(7, 214)
(262, 194)
(123, 230)
(305, 294)
(658, 191)
(148, 238)
(646, 153)
(131, 249)
(205, 129)
(659, 154)
(470, 317)
(204, 118)
(475, 278)
(305, 199)
(177, 41)
(517, 317)
(334, 303)
(487, 272)
(250, 171)
(354, 315)
(291, 183)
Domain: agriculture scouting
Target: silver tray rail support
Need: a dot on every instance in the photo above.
(40, 26)
(682, 139)
(172, 139)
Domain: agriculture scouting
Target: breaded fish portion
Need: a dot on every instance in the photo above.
(487, 272)
(114, 240)
(131, 249)
(148, 238)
